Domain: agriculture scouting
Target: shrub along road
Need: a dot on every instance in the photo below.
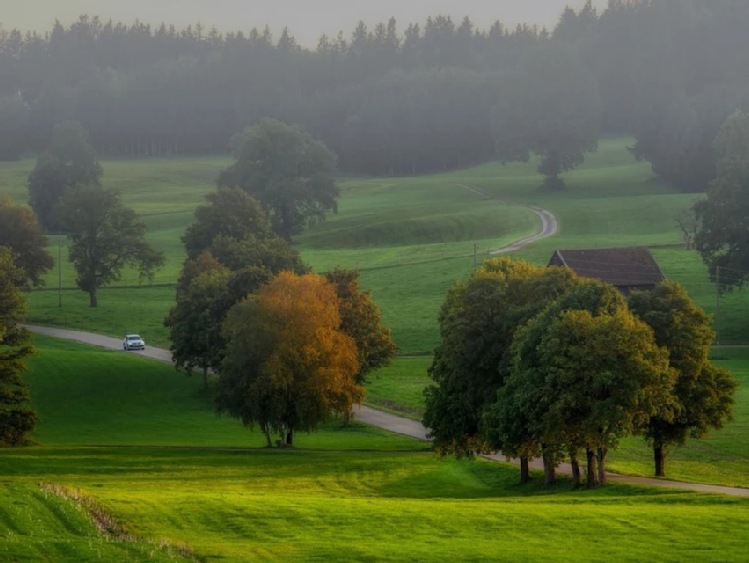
(386, 421)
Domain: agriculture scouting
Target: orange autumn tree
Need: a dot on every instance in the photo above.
(288, 366)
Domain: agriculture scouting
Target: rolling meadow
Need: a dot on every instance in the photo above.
(138, 442)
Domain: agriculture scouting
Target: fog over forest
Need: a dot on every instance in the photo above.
(307, 20)
(395, 97)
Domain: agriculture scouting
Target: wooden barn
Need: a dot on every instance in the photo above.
(628, 269)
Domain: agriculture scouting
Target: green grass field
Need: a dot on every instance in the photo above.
(142, 442)
(411, 238)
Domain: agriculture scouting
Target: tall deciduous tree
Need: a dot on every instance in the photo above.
(550, 107)
(289, 366)
(723, 237)
(477, 322)
(69, 161)
(17, 418)
(232, 252)
(287, 170)
(105, 237)
(20, 232)
(702, 393)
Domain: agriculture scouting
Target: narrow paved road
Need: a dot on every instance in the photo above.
(549, 227)
(386, 421)
(549, 223)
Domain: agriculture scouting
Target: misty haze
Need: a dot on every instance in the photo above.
(374, 281)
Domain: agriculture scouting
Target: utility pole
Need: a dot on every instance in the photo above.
(59, 269)
(475, 255)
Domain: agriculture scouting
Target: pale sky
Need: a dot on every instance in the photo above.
(306, 19)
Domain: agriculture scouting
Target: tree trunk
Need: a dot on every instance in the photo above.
(266, 431)
(289, 437)
(591, 459)
(525, 475)
(550, 470)
(660, 461)
(575, 469)
(602, 465)
(93, 300)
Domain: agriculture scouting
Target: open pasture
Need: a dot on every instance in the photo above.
(141, 441)
(410, 237)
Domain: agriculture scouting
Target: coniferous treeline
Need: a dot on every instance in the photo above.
(387, 100)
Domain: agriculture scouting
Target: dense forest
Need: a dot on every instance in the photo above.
(390, 99)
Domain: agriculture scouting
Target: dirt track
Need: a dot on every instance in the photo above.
(386, 421)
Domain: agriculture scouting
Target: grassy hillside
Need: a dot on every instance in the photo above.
(411, 238)
(141, 442)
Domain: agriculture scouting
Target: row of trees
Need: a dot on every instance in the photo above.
(537, 362)
(396, 100)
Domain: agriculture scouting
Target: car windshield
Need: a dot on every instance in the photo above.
(133, 337)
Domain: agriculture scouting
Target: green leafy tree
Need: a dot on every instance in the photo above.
(360, 319)
(230, 213)
(585, 373)
(20, 232)
(232, 252)
(287, 170)
(550, 107)
(702, 394)
(477, 322)
(723, 236)
(288, 365)
(105, 237)
(17, 418)
(69, 161)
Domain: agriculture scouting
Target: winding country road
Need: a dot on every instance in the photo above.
(386, 421)
(549, 227)
(549, 223)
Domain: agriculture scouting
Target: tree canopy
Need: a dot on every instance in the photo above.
(287, 170)
(105, 237)
(288, 365)
(20, 232)
(477, 323)
(585, 372)
(17, 418)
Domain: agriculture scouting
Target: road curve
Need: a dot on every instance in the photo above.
(386, 421)
(549, 227)
(549, 223)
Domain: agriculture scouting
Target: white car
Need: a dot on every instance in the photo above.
(133, 342)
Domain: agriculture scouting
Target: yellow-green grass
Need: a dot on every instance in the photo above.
(168, 471)
(310, 505)
(36, 525)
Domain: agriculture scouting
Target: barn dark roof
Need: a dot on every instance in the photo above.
(625, 268)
